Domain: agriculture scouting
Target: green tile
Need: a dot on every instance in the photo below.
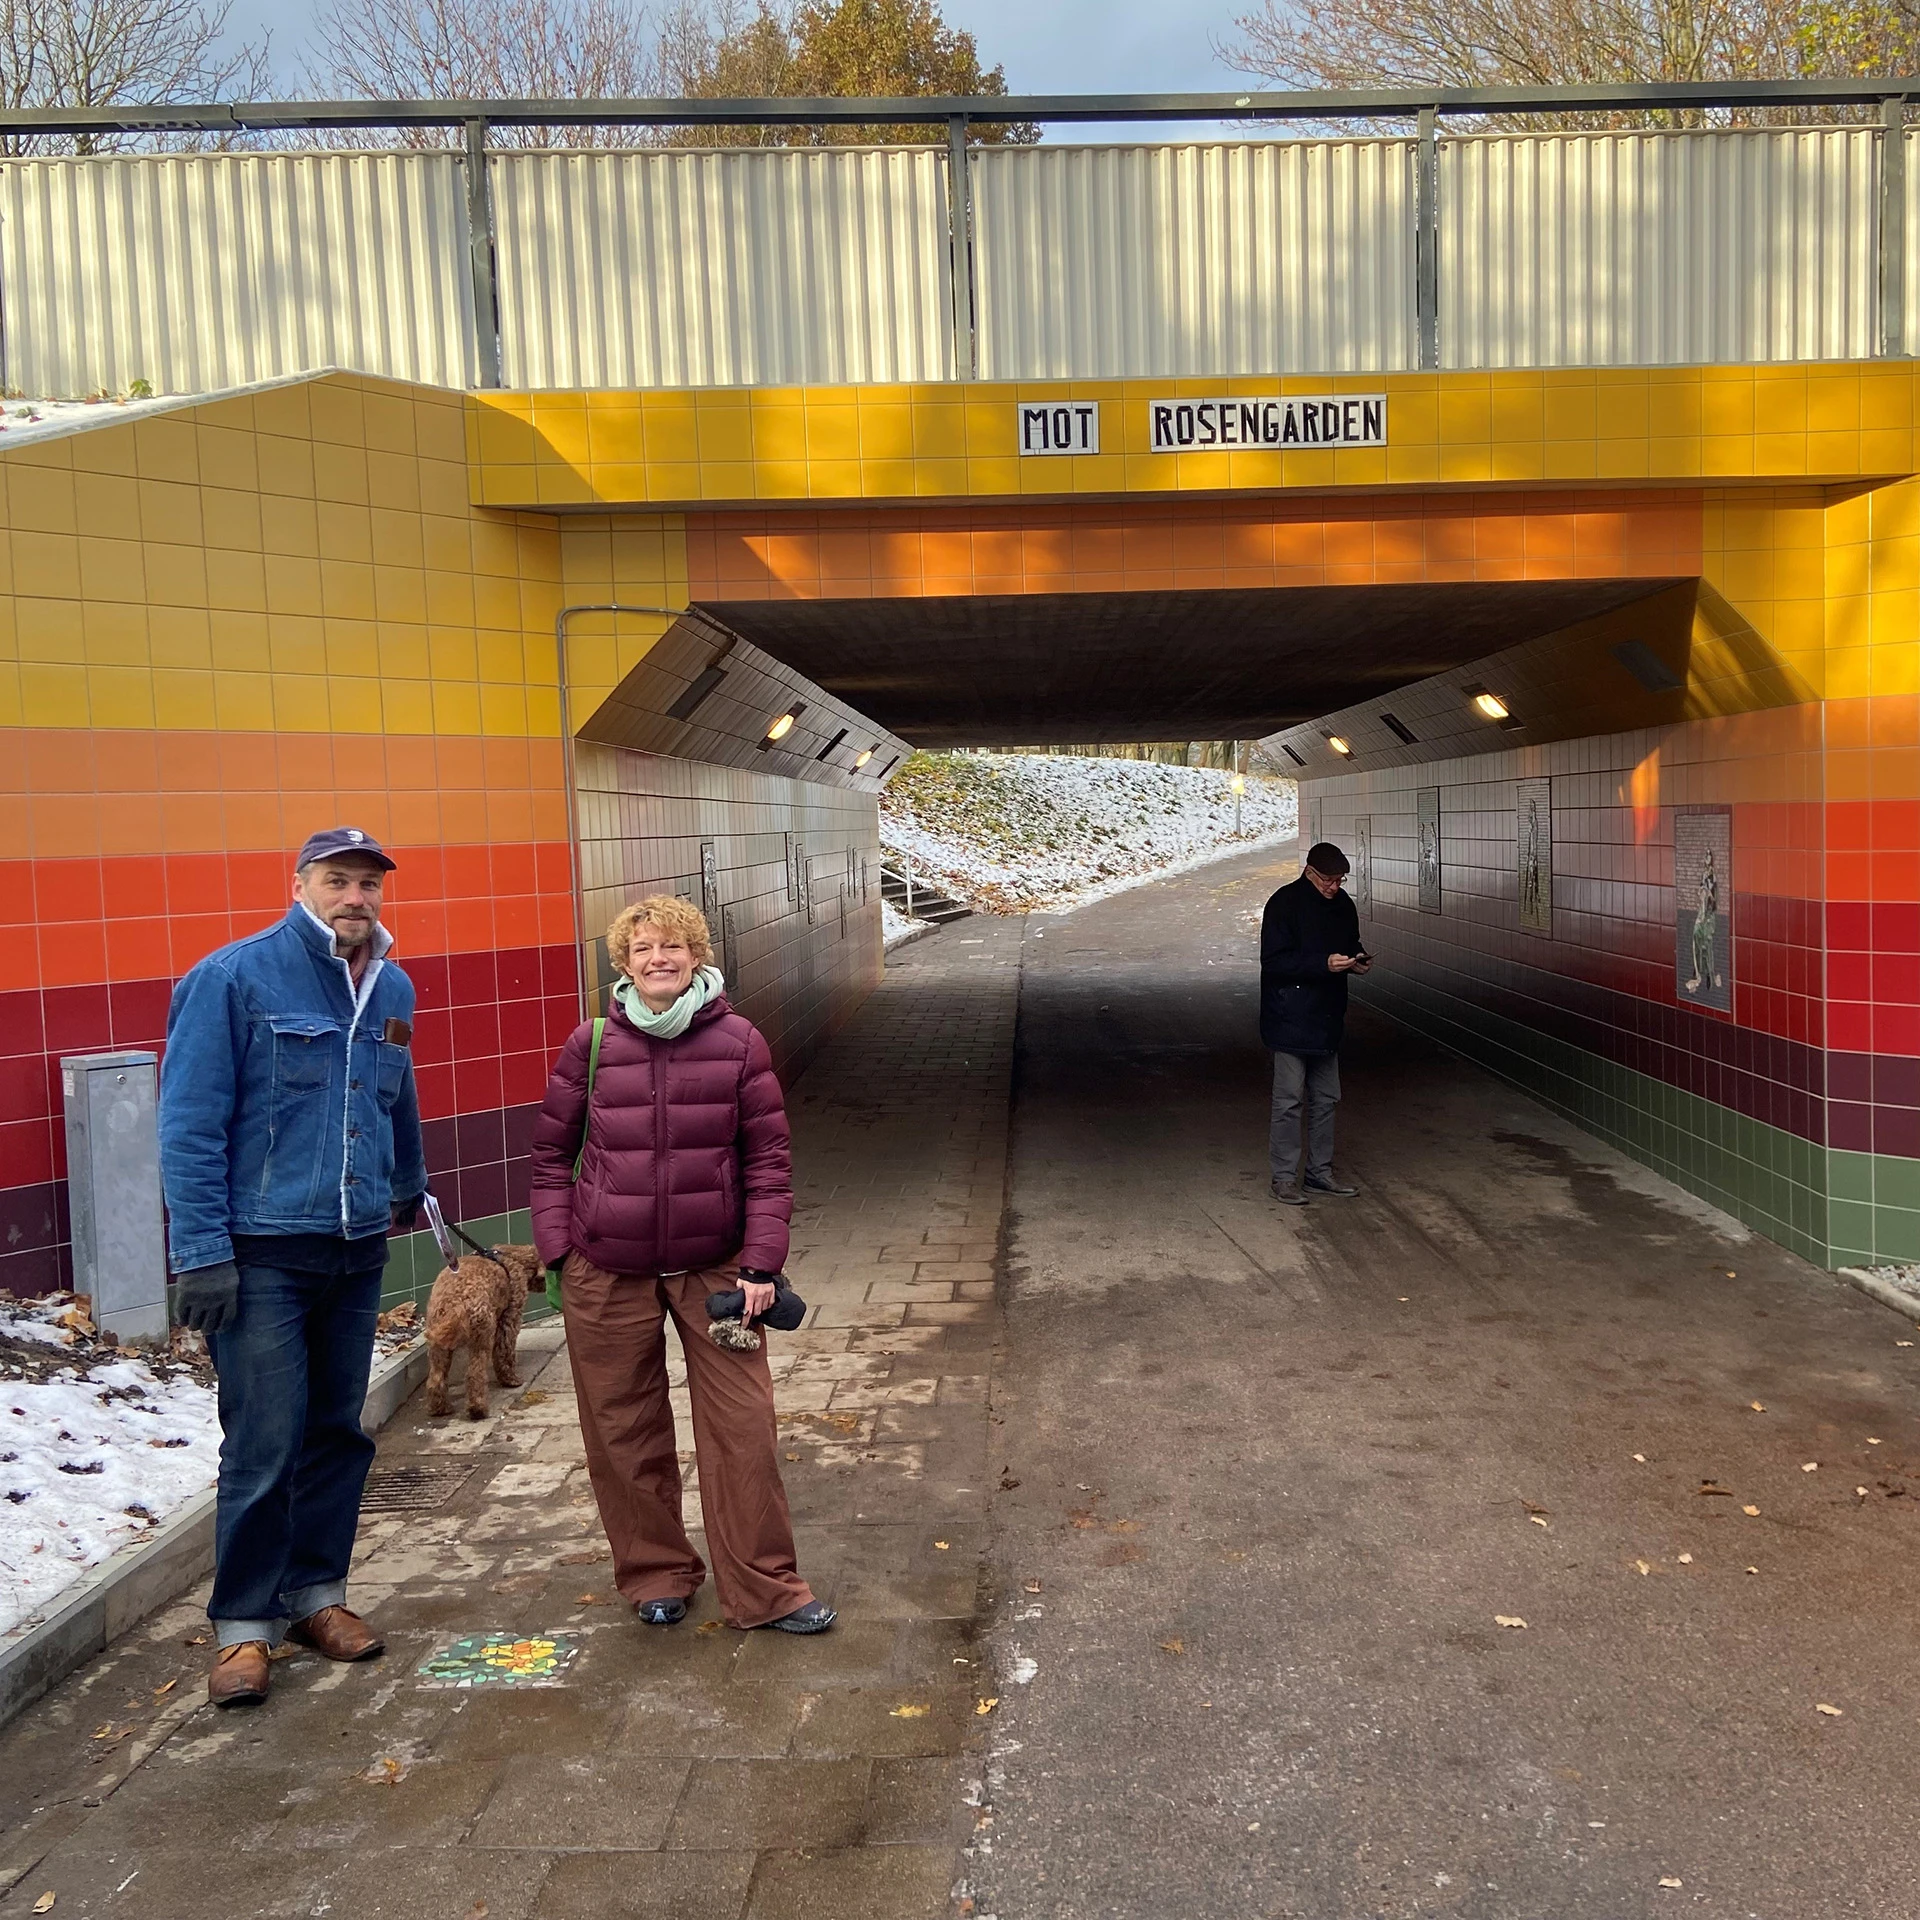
(1896, 1233)
(1896, 1180)
(1850, 1175)
(1850, 1223)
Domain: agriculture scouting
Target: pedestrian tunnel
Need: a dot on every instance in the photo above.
(1607, 683)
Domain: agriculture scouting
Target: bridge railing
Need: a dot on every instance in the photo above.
(720, 267)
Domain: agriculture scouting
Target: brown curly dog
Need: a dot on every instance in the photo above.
(476, 1304)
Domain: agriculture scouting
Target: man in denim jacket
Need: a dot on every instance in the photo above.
(289, 1143)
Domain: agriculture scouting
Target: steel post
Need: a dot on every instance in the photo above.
(1426, 239)
(960, 239)
(1892, 237)
(486, 290)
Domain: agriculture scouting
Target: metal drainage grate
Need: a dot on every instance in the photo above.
(413, 1489)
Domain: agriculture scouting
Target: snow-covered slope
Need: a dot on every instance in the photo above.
(1008, 832)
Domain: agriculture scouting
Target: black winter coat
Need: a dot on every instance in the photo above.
(1303, 1007)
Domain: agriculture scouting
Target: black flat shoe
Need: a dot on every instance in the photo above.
(662, 1613)
(812, 1618)
(1332, 1187)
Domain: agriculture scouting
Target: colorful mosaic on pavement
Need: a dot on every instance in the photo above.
(502, 1660)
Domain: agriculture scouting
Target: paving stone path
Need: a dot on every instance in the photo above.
(696, 1773)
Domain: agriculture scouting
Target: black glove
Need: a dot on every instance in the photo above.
(207, 1299)
(405, 1214)
(784, 1316)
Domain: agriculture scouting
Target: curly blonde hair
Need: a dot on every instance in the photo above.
(672, 915)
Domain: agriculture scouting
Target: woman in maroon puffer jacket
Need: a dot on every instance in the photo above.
(685, 1175)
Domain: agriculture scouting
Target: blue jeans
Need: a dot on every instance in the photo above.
(293, 1372)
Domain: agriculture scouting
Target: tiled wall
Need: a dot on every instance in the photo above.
(225, 626)
(1588, 1016)
(787, 871)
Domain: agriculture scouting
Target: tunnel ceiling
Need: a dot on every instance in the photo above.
(1232, 663)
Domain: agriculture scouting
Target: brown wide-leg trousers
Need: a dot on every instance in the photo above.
(617, 1340)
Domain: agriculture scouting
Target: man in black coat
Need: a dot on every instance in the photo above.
(1309, 944)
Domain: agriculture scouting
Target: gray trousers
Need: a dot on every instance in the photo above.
(1309, 1084)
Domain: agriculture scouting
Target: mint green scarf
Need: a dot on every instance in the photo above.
(670, 1025)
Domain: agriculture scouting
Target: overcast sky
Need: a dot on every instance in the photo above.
(1046, 46)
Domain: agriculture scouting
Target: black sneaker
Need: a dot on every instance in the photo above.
(662, 1613)
(814, 1617)
(1329, 1186)
(1288, 1194)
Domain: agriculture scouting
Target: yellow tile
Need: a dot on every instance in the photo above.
(111, 569)
(1510, 461)
(236, 580)
(727, 480)
(51, 631)
(296, 643)
(939, 432)
(102, 449)
(353, 650)
(340, 473)
(496, 603)
(723, 434)
(1895, 670)
(289, 526)
(1464, 463)
(393, 483)
(167, 447)
(398, 540)
(295, 585)
(664, 480)
(229, 519)
(502, 657)
(1569, 415)
(1779, 403)
(338, 414)
(228, 459)
(1674, 459)
(407, 706)
(453, 653)
(116, 633)
(1621, 459)
(403, 651)
(40, 500)
(1836, 453)
(53, 696)
(561, 486)
(238, 642)
(887, 479)
(614, 437)
(1833, 403)
(182, 700)
(941, 479)
(1849, 673)
(302, 703)
(179, 637)
(120, 696)
(779, 434)
(886, 432)
(671, 432)
(543, 713)
(993, 476)
(106, 503)
(353, 703)
(286, 466)
(389, 424)
(456, 707)
(780, 479)
(503, 710)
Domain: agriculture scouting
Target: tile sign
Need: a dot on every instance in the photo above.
(1067, 426)
(1340, 420)
(1428, 851)
(1533, 835)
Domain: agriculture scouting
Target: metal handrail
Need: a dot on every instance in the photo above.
(1346, 103)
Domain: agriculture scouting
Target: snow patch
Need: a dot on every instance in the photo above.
(93, 1456)
(895, 926)
(1009, 833)
(22, 421)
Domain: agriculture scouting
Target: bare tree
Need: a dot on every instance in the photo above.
(465, 50)
(113, 53)
(1479, 43)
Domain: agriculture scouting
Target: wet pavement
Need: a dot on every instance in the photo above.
(620, 1770)
(1216, 1508)
(1282, 1474)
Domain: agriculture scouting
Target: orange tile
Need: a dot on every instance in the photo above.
(509, 817)
(470, 926)
(506, 763)
(249, 763)
(19, 959)
(461, 763)
(59, 760)
(128, 762)
(191, 937)
(360, 766)
(73, 953)
(63, 826)
(192, 823)
(68, 890)
(305, 762)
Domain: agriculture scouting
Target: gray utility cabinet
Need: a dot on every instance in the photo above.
(113, 1189)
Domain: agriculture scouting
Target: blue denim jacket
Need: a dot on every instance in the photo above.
(283, 1108)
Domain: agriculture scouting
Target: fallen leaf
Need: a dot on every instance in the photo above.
(1832, 1713)
(1753, 1569)
(478, 1911)
(1641, 1457)
(45, 1903)
(1871, 1441)
(793, 1456)
(910, 1712)
(1008, 1483)
(592, 1600)
(940, 1546)
(1809, 1466)
(1712, 1487)
(1539, 1520)
(1756, 1406)
(1752, 1512)
(1173, 1646)
(1508, 1620)
(1668, 1880)
(708, 1626)
(160, 1693)
(533, 1397)
(1861, 1491)
(1031, 1586)
(1903, 1343)
(385, 1772)
(586, 1559)
(987, 1705)
(1686, 1559)
(1642, 1567)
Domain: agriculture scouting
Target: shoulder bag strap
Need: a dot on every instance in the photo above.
(593, 1067)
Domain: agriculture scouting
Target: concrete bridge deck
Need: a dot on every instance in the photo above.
(1248, 1488)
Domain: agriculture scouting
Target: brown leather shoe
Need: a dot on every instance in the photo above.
(240, 1675)
(337, 1633)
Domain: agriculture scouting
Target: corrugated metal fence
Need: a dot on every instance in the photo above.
(791, 266)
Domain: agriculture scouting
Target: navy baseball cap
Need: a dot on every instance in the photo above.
(331, 842)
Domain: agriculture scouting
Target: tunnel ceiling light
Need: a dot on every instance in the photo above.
(860, 759)
(784, 724)
(1342, 747)
(1491, 705)
(1291, 755)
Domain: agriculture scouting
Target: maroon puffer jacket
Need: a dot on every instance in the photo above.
(688, 1160)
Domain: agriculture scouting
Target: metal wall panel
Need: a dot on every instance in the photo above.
(1649, 249)
(204, 271)
(1910, 238)
(723, 268)
(1234, 257)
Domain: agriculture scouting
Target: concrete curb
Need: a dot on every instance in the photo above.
(150, 1574)
(1901, 1301)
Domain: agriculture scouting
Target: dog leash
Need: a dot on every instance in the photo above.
(445, 1233)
